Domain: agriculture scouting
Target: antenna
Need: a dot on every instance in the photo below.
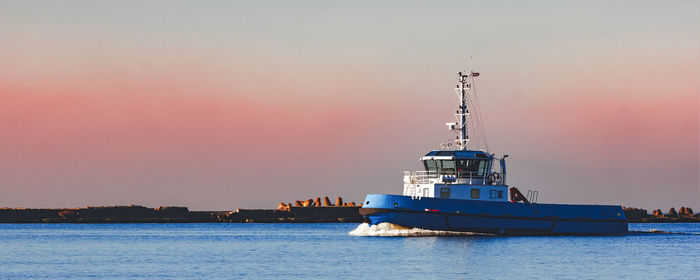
(464, 86)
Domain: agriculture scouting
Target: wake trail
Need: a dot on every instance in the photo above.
(656, 231)
(388, 229)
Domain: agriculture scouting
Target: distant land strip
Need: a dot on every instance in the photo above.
(173, 214)
(287, 214)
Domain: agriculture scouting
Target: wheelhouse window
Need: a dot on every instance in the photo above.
(471, 168)
(430, 165)
(446, 167)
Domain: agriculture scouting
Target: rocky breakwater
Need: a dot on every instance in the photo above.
(306, 211)
(105, 214)
(683, 215)
(309, 211)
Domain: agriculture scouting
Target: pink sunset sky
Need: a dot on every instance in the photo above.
(222, 105)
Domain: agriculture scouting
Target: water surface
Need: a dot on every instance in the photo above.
(293, 251)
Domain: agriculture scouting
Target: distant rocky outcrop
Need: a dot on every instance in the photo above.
(317, 203)
(684, 214)
(685, 211)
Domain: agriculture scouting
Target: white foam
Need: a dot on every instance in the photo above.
(663, 232)
(388, 229)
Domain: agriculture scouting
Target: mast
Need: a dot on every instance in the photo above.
(464, 86)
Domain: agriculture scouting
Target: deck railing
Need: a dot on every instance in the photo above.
(532, 196)
(427, 177)
(419, 177)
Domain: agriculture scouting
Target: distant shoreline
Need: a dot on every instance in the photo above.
(174, 214)
(291, 214)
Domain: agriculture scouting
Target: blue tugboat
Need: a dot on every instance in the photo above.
(465, 190)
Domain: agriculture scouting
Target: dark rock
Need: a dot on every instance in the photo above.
(635, 213)
(327, 201)
(672, 212)
(317, 202)
(339, 201)
(308, 203)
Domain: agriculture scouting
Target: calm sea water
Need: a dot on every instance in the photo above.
(295, 251)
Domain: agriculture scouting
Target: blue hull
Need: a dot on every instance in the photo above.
(506, 218)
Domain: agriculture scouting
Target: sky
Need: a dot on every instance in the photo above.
(218, 105)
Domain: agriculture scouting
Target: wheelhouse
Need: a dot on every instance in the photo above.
(458, 174)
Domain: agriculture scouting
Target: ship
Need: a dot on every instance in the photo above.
(465, 190)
